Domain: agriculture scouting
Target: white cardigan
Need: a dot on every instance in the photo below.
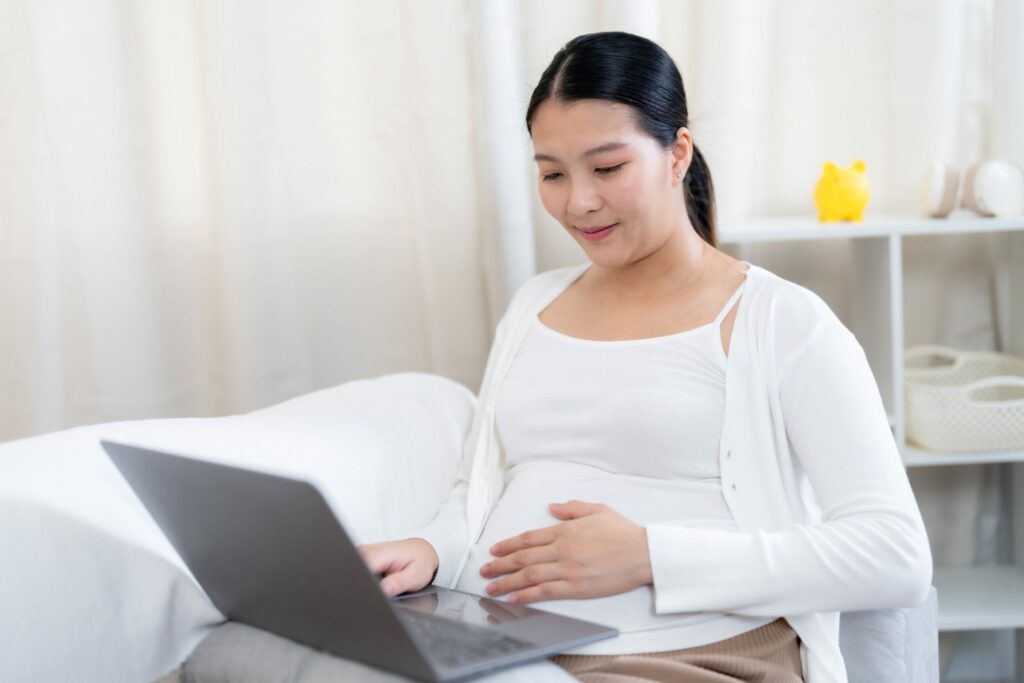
(826, 518)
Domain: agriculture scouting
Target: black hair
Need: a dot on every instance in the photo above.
(633, 70)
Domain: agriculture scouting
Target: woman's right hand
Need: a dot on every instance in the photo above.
(407, 565)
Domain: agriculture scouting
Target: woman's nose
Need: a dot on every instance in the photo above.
(583, 199)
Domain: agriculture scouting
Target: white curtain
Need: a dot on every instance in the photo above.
(207, 207)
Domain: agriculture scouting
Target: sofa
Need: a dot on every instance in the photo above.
(93, 591)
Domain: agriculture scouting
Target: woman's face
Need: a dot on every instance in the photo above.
(597, 169)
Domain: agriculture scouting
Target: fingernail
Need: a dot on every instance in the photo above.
(485, 570)
(491, 588)
(514, 597)
(494, 549)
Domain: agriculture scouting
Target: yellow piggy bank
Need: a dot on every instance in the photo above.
(842, 193)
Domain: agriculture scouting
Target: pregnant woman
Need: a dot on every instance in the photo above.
(669, 441)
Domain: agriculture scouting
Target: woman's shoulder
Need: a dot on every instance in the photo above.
(558, 275)
(790, 312)
(546, 284)
(779, 296)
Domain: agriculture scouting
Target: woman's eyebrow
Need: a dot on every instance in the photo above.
(606, 147)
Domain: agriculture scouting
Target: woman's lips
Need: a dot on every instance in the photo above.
(598, 235)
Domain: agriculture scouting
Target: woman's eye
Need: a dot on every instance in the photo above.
(601, 171)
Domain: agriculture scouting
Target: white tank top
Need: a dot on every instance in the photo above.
(634, 424)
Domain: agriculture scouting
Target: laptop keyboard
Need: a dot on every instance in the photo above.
(453, 643)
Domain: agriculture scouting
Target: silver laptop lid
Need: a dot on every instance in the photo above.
(241, 531)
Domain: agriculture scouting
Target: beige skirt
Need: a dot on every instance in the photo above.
(767, 654)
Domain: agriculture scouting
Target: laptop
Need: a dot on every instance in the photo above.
(270, 553)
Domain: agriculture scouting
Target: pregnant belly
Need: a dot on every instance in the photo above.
(524, 506)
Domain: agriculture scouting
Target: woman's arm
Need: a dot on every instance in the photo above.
(869, 551)
(448, 532)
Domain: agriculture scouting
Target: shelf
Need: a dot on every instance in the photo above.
(980, 598)
(807, 227)
(917, 457)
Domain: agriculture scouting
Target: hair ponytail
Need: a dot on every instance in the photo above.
(699, 192)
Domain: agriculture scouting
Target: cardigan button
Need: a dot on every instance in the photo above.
(728, 454)
(734, 487)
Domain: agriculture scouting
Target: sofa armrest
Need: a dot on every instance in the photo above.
(892, 645)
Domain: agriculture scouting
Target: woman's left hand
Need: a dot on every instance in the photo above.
(596, 552)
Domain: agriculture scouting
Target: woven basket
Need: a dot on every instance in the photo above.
(964, 400)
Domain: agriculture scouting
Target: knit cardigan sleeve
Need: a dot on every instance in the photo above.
(869, 549)
(448, 532)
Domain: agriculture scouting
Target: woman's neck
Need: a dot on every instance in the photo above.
(681, 265)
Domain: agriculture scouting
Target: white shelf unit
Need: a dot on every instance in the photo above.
(970, 598)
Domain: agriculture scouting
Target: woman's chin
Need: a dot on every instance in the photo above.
(606, 258)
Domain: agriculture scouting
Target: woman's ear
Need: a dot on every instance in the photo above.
(682, 153)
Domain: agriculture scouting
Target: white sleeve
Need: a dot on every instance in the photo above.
(870, 549)
(448, 532)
